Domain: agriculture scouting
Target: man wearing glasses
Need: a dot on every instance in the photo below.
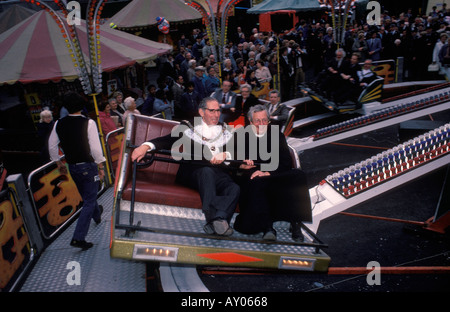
(218, 192)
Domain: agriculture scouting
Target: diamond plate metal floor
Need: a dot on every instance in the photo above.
(192, 220)
(54, 270)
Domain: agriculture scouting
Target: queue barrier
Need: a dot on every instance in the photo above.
(55, 198)
(18, 248)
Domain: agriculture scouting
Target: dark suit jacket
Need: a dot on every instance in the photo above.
(187, 167)
(286, 68)
(189, 102)
(199, 86)
(375, 45)
(242, 108)
(226, 115)
(353, 70)
(343, 67)
(282, 112)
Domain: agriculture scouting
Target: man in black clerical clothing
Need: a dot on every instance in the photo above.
(268, 196)
(218, 192)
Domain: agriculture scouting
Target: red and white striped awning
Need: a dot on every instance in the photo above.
(143, 13)
(35, 50)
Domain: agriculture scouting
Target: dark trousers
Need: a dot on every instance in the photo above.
(279, 197)
(218, 192)
(84, 177)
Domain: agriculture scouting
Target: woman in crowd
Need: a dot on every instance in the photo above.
(106, 121)
(262, 73)
(114, 112)
(130, 106)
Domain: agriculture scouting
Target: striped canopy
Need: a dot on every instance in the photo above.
(143, 13)
(13, 16)
(281, 5)
(35, 50)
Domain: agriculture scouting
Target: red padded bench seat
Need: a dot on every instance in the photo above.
(156, 184)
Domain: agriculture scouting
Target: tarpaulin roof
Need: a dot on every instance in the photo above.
(13, 16)
(285, 5)
(35, 50)
(143, 13)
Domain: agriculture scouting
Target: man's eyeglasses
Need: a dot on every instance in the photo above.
(212, 110)
(261, 121)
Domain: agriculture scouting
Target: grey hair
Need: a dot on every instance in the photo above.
(203, 104)
(274, 91)
(45, 113)
(256, 109)
(127, 102)
(246, 85)
(342, 51)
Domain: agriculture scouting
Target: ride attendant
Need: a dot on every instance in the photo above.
(78, 138)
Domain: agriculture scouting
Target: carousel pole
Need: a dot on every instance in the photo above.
(93, 12)
(339, 10)
(278, 85)
(102, 139)
(216, 25)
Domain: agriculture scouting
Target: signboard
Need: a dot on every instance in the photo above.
(34, 106)
(55, 197)
(15, 251)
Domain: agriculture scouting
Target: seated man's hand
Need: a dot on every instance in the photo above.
(249, 164)
(218, 158)
(259, 173)
(139, 152)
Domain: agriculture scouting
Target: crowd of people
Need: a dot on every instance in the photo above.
(303, 54)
